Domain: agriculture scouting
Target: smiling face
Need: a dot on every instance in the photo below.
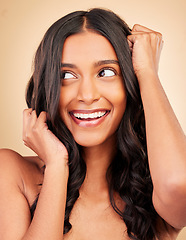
(92, 99)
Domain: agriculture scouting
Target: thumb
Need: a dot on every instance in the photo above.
(130, 44)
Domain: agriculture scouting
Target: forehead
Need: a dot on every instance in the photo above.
(87, 45)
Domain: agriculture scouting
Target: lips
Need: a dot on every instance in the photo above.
(89, 118)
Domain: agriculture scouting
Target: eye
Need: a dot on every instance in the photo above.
(67, 75)
(106, 73)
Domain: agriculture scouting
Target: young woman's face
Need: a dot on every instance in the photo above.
(92, 99)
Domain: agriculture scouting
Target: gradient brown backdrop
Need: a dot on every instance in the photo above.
(23, 23)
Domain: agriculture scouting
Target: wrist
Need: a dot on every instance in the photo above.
(146, 77)
(58, 166)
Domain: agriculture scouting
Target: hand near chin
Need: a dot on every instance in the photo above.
(146, 46)
(41, 140)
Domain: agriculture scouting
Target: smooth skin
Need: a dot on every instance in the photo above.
(91, 82)
(92, 216)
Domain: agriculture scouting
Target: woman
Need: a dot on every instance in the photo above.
(96, 108)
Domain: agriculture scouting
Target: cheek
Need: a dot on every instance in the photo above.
(118, 99)
(119, 108)
(116, 95)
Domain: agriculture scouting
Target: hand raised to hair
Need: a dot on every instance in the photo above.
(146, 46)
(41, 140)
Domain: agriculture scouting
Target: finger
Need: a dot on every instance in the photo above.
(130, 44)
(152, 33)
(131, 39)
(27, 111)
(149, 36)
(32, 118)
(134, 37)
(140, 33)
(41, 120)
(29, 119)
(140, 28)
(26, 114)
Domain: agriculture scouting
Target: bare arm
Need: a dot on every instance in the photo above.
(166, 142)
(49, 215)
(167, 155)
(48, 219)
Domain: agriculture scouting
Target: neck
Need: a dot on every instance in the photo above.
(97, 159)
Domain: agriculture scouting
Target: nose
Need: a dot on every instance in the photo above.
(88, 91)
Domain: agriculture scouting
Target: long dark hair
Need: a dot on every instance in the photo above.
(128, 174)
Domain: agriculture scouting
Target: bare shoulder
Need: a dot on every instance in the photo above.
(10, 164)
(19, 185)
(12, 156)
(16, 163)
(24, 172)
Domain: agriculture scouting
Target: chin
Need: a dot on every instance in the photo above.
(92, 140)
(88, 142)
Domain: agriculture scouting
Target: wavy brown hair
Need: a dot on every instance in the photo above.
(128, 173)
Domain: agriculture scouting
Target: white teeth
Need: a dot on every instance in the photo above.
(90, 115)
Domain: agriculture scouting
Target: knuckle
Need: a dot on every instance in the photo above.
(156, 35)
(31, 133)
(135, 26)
(159, 34)
(24, 111)
(35, 130)
(33, 113)
(27, 111)
(28, 137)
(43, 114)
(146, 36)
(153, 34)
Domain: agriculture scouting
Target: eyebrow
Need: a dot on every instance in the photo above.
(96, 64)
(68, 65)
(104, 62)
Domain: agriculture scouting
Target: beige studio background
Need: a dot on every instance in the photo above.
(23, 23)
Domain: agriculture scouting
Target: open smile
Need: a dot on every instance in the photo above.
(89, 118)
